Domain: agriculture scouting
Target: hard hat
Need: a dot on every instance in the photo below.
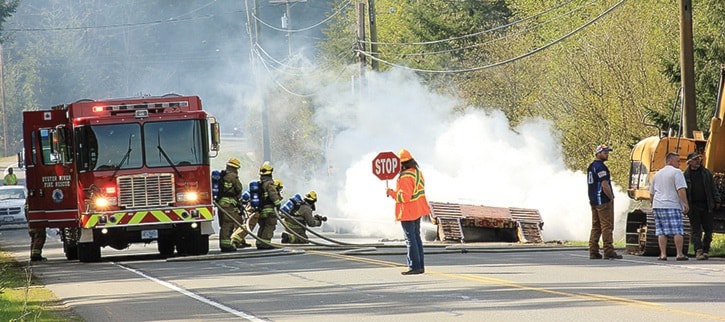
(311, 196)
(278, 183)
(266, 168)
(234, 163)
(404, 155)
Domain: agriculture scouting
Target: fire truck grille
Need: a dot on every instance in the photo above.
(143, 191)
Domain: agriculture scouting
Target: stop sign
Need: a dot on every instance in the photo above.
(386, 165)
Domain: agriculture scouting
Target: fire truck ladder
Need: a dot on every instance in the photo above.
(451, 229)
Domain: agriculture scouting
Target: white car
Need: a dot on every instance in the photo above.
(12, 205)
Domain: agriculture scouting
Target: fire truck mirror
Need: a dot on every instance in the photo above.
(215, 136)
(59, 146)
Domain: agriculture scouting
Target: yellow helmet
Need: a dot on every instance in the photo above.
(266, 168)
(311, 196)
(404, 155)
(278, 183)
(234, 163)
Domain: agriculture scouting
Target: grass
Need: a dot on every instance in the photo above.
(22, 299)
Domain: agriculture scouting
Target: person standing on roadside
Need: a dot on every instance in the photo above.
(410, 205)
(601, 200)
(703, 197)
(669, 203)
(10, 179)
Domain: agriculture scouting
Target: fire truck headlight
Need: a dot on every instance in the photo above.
(104, 231)
(189, 196)
(101, 202)
(194, 225)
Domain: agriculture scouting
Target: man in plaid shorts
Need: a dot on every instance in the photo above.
(669, 203)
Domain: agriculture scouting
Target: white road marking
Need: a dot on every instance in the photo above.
(244, 315)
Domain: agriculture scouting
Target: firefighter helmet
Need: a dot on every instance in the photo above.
(278, 183)
(266, 168)
(311, 197)
(404, 155)
(234, 163)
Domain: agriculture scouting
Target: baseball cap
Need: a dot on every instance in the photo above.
(603, 148)
(693, 156)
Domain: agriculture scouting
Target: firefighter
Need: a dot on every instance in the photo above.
(270, 202)
(10, 178)
(303, 215)
(230, 192)
(37, 241)
(253, 218)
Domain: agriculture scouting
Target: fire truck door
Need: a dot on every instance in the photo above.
(51, 177)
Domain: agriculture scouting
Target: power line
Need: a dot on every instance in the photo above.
(510, 60)
(506, 36)
(338, 11)
(473, 34)
(123, 25)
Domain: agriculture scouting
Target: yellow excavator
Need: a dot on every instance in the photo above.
(648, 156)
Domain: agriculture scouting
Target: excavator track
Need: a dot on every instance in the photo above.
(640, 234)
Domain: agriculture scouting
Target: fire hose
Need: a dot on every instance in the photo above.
(245, 227)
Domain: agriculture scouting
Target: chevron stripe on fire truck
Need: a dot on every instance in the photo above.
(145, 217)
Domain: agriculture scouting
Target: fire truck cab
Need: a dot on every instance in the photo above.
(122, 171)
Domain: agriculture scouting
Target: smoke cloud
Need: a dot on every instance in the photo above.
(469, 157)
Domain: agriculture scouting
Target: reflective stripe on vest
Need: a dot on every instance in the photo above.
(418, 189)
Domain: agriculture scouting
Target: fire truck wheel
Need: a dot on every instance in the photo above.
(165, 244)
(198, 244)
(89, 252)
(70, 248)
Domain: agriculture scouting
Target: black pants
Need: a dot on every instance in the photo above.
(701, 220)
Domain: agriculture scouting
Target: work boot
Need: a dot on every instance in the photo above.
(705, 256)
(228, 249)
(612, 255)
(241, 244)
(699, 255)
(38, 258)
(595, 256)
(285, 238)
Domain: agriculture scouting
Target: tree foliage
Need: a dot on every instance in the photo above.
(608, 71)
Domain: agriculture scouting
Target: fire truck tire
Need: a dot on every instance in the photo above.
(70, 248)
(89, 252)
(199, 244)
(166, 245)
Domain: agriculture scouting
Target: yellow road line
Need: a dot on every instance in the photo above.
(512, 284)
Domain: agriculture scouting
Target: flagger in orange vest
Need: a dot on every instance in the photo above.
(410, 206)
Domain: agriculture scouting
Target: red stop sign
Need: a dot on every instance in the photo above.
(386, 165)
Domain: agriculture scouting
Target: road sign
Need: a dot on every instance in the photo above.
(386, 165)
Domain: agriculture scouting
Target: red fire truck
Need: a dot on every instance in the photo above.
(122, 171)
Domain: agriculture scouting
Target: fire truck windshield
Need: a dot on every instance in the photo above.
(120, 146)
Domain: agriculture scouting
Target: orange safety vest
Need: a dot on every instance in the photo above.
(409, 195)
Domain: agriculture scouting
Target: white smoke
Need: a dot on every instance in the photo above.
(468, 157)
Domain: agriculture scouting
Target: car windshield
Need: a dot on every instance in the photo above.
(12, 194)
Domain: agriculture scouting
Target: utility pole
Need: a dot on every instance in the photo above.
(361, 41)
(253, 29)
(287, 20)
(687, 70)
(2, 101)
(373, 34)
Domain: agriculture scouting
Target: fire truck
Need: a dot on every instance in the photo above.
(121, 171)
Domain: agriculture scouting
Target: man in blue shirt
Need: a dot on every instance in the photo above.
(601, 199)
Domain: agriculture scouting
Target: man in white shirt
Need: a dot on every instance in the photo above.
(669, 203)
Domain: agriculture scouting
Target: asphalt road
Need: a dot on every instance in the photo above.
(493, 282)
